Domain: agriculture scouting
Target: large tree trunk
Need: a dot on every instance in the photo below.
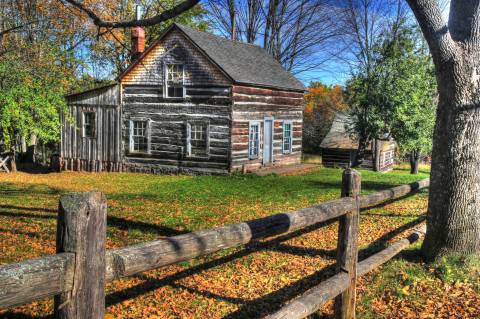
(414, 161)
(454, 201)
(453, 217)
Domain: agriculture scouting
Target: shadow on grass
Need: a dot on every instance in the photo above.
(11, 189)
(268, 303)
(407, 169)
(117, 222)
(247, 308)
(367, 186)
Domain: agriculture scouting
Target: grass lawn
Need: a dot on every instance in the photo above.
(238, 283)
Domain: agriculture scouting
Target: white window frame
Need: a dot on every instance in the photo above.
(289, 150)
(94, 124)
(250, 141)
(147, 132)
(206, 131)
(166, 86)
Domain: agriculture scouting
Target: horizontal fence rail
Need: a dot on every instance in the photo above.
(34, 279)
(313, 299)
(26, 281)
(151, 255)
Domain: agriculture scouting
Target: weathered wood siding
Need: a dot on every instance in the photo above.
(101, 152)
(175, 48)
(207, 100)
(255, 104)
(343, 158)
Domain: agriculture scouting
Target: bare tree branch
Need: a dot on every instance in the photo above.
(164, 16)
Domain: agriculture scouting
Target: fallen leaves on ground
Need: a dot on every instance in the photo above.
(237, 283)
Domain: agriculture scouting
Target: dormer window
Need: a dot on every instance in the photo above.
(175, 77)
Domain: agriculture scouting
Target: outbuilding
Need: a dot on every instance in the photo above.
(339, 148)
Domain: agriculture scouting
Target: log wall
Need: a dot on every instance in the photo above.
(168, 133)
(255, 104)
(207, 101)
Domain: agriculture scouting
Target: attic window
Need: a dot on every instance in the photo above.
(175, 77)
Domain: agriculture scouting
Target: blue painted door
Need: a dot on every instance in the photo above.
(268, 141)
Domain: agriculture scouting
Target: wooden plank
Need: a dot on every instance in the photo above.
(392, 193)
(34, 279)
(267, 99)
(268, 92)
(347, 247)
(391, 251)
(81, 229)
(138, 258)
(313, 299)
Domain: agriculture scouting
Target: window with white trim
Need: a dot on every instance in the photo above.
(254, 140)
(287, 137)
(197, 139)
(139, 136)
(89, 124)
(175, 77)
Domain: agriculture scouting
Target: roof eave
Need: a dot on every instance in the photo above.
(91, 90)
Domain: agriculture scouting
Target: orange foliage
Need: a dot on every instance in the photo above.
(322, 96)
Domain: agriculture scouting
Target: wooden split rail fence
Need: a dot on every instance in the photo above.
(77, 273)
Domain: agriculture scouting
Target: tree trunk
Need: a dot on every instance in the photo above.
(453, 216)
(13, 161)
(414, 161)
(453, 223)
(233, 19)
(360, 154)
(376, 154)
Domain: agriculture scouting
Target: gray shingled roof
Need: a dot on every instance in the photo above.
(244, 63)
(338, 137)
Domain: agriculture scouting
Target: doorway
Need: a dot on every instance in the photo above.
(268, 141)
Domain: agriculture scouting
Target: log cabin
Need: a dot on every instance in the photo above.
(339, 148)
(191, 103)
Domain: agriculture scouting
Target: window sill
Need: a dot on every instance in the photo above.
(197, 156)
(175, 98)
(140, 154)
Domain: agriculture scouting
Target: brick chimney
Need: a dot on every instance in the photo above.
(138, 36)
(138, 42)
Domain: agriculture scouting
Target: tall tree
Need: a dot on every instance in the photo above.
(453, 223)
(364, 24)
(31, 98)
(395, 97)
(406, 92)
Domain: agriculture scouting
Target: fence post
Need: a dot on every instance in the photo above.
(347, 248)
(81, 229)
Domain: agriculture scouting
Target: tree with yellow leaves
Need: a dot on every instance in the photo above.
(322, 102)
